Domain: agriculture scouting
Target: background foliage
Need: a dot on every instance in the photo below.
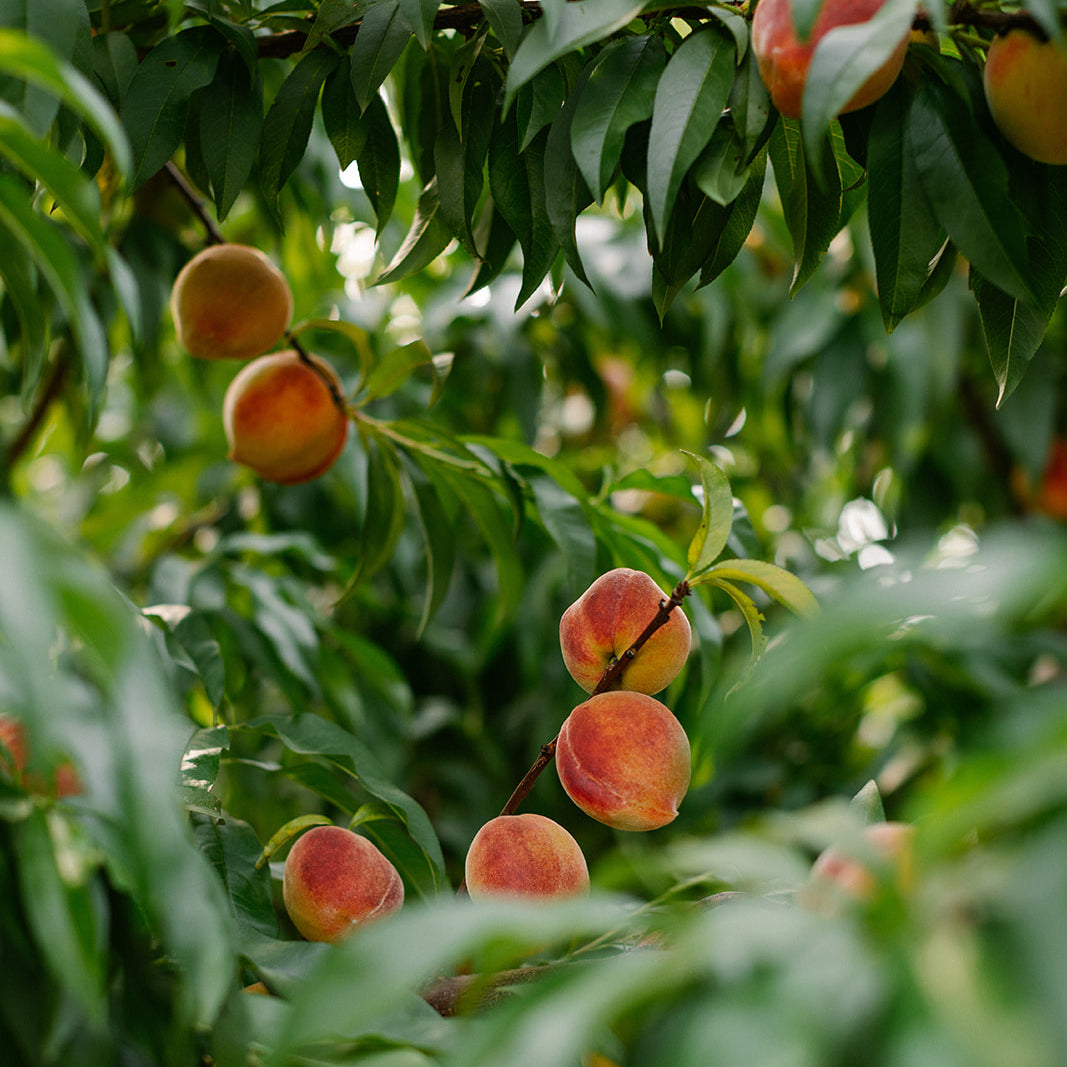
(546, 264)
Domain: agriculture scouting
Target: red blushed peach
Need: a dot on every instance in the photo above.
(230, 302)
(624, 759)
(606, 620)
(1026, 86)
(334, 880)
(835, 874)
(281, 418)
(64, 782)
(783, 59)
(527, 856)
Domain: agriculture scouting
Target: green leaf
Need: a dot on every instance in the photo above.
(868, 804)
(379, 161)
(342, 115)
(114, 64)
(568, 525)
(578, 24)
(906, 237)
(439, 535)
(288, 123)
(419, 15)
(690, 98)
(566, 193)
(494, 240)
(966, 182)
(749, 612)
(460, 154)
(73, 190)
(394, 368)
(157, 99)
(292, 827)
(383, 516)
(750, 108)
(331, 16)
(716, 519)
(20, 285)
(739, 222)
(505, 17)
(383, 34)
(778, 583)
(517, 181)
(842, 61)
(428, 237)
(812, 209)
(538, 103)
(620, 91)
(230, 127)
(58, 264)
(24, 57)
(233, 849)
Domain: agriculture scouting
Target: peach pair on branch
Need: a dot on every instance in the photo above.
(284, 414)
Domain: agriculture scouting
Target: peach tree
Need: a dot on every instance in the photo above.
(587, 295)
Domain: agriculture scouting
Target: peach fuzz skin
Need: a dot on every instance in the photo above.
(281, 419)
(334, 880)
(527, 856)
(784, 59)
(606, 620)
(624, 759)
(230, 302)
(1025, 83)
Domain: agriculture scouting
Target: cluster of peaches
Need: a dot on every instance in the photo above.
(1025, 77)
(284, 413)
(621, 756)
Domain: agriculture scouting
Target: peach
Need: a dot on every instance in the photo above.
(624, 759)
(65, 780)
(283, 420)
(230, 302)
(835, 873)
(335, 880)
(528, 856)
(783, 59)
(606, 620)
(1025, 82)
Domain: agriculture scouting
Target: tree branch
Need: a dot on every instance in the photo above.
(47, 396)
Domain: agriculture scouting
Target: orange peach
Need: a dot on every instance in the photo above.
(282, 419)
(837, 874)
(1025, 82)
(334, 880)
(230, 302)
(527, 856)
(606, 620)
(783, 59)
(624, 759)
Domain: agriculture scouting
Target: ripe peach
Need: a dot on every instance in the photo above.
(230, 302)
(606, 620)
(623, 758)
(526, 856)
(281, 418)
(783, 59)
(65, 780)
(335, 880)
(1025, 82)
(836, 874)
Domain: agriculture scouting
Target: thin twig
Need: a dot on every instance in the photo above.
(196, 204)
(48, 395)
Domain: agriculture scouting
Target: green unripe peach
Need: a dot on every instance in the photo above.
(606, 620)
(230, 302)
(1025, 83)
(528, 856)
(624, 759)
(334, 881)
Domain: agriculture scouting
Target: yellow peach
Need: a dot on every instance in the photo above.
(282, 419)
(1025, 83)
(606, 620)
(528, 856)
(334, 880)
(230, 302)
(624, 759)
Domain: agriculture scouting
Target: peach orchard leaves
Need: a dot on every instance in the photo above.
(709, 542)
